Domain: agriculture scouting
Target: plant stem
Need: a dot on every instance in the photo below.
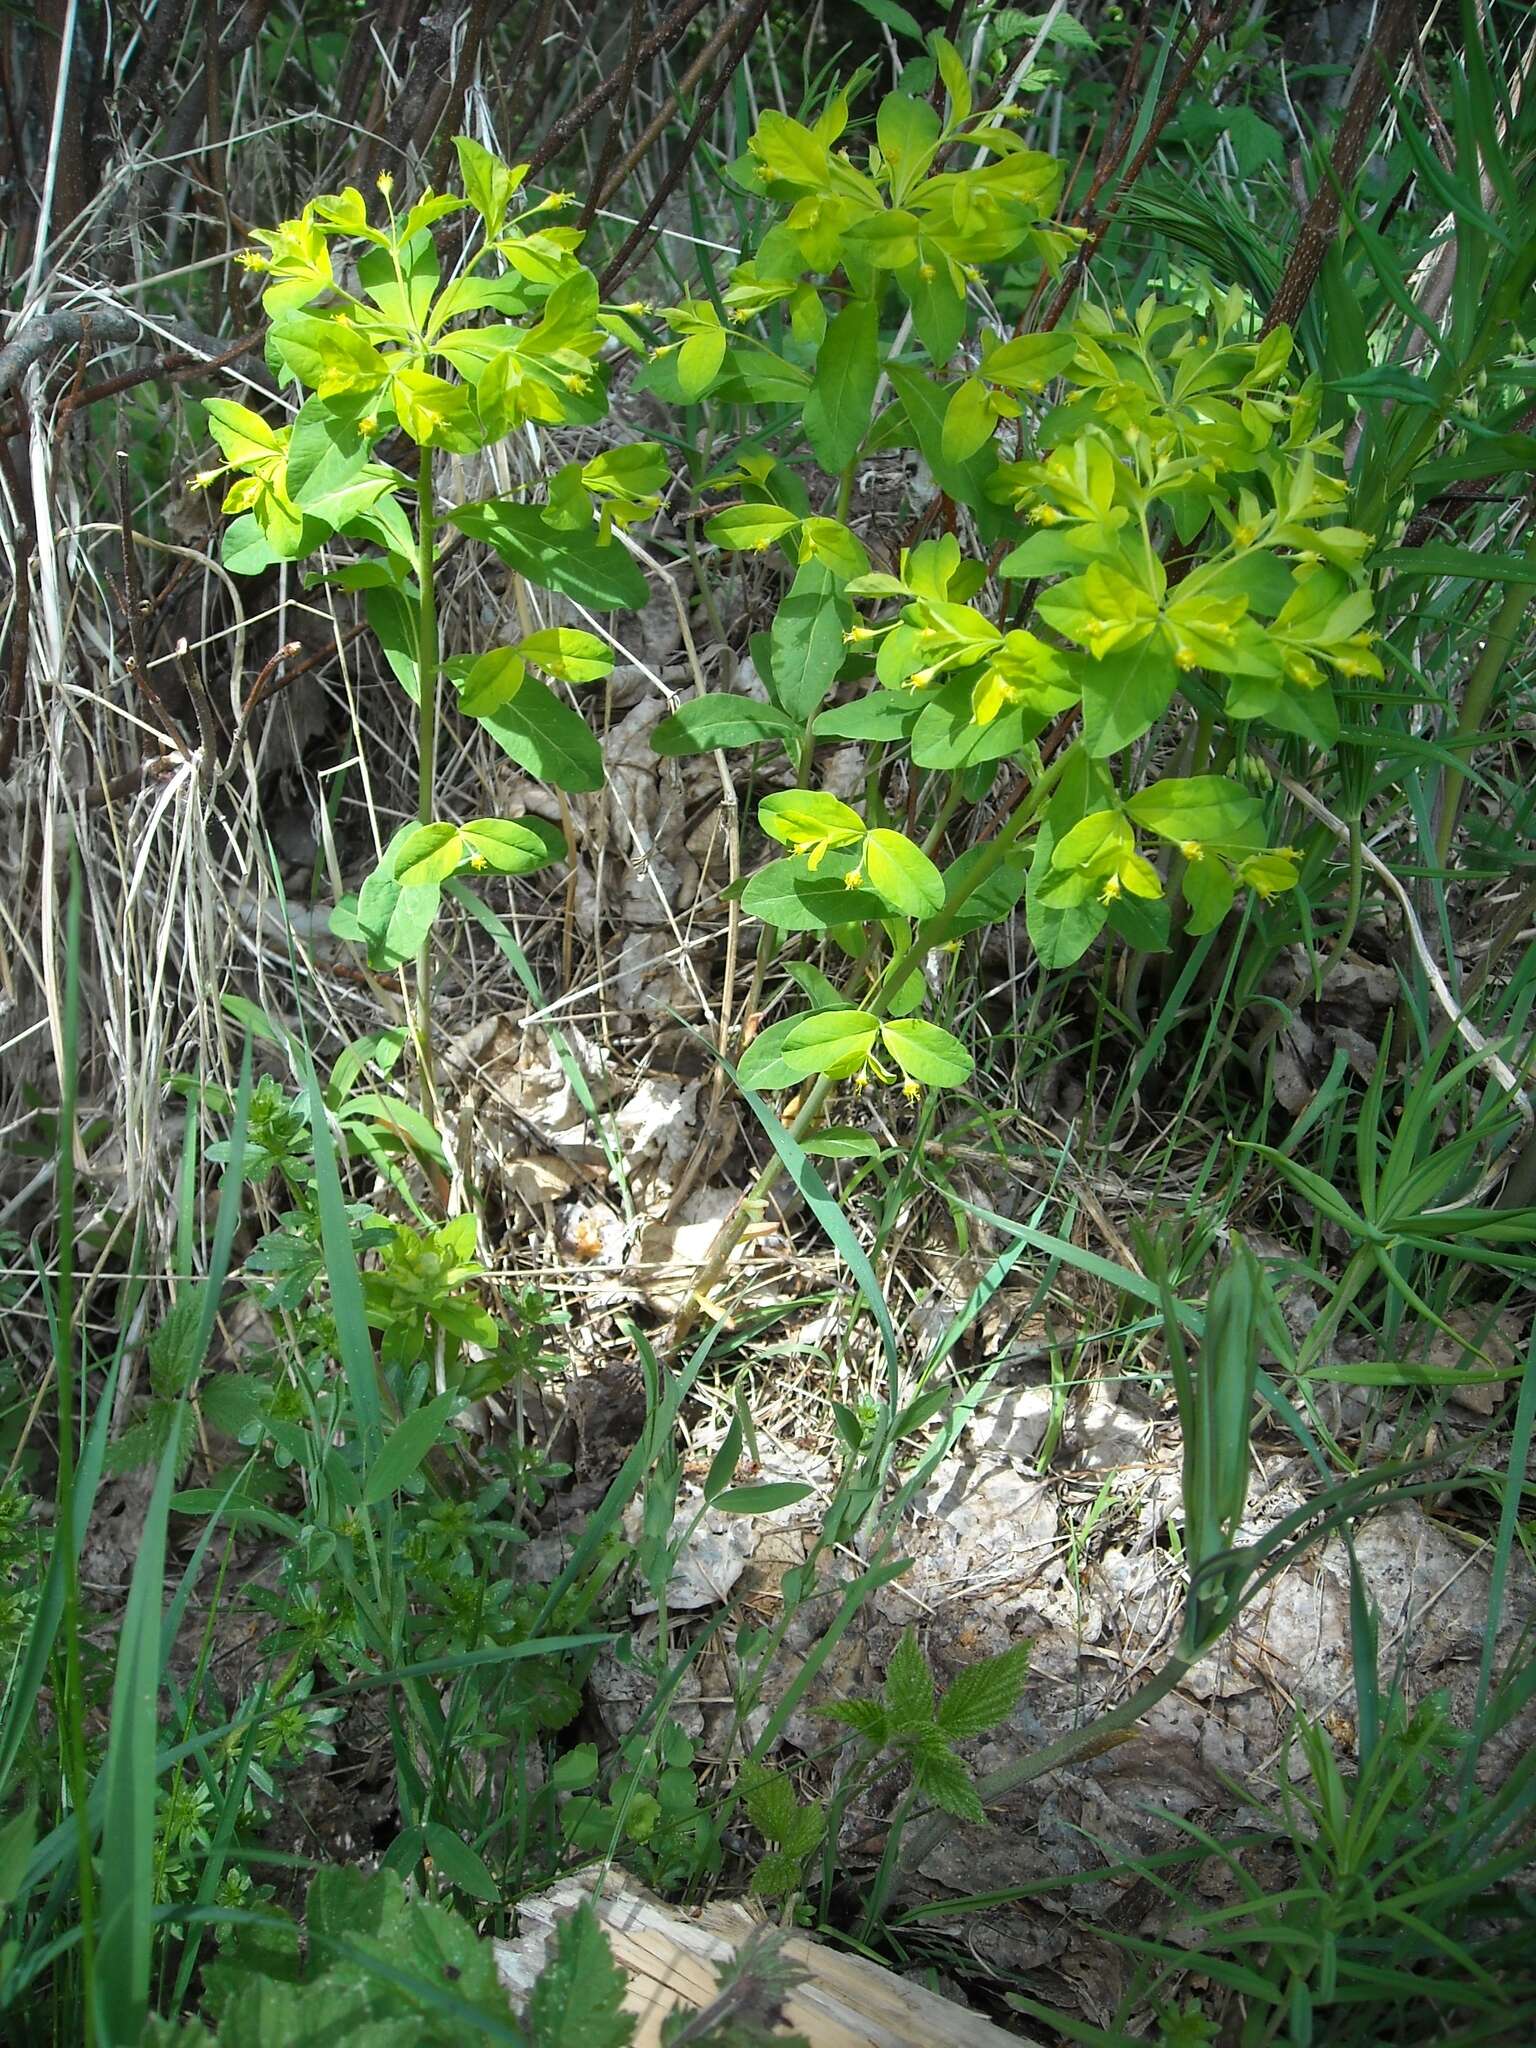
(931, 932)
(426, 743)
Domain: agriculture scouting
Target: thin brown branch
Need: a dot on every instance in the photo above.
(1397, 28)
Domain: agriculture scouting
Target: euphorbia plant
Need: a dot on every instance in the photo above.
(400, 362)
(1142, 560)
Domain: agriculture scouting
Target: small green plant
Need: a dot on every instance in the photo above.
(1187, 556)
(918, 1728)
(389, 355)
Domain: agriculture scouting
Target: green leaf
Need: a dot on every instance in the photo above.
(578, 1999)
(831, 1042)
(1208, 889)
(326, 448)
(808, 818)
(698, 361)
(786, 895)
(1124, 693)
(776, 1874)
(969, 421)
(488, 183)
(1060, 937)
(456, 1861)
(926, 1052)
(16, 1839)
(898, 18)
(770, 1803)
(571, 560)
(841, 403)
(429, 853)
(489, 681)
(940, 1776)
(754, 526)
(545, 736)
(393, 921)
(880, 716)
(902, 874)
(513, 846)
(1211, 809)
(572, 656)
(807, 639)
(718, 720)
(984, 1694)
(909, 1687)
(865, 1717)
(762, 1500)
(406, 1446)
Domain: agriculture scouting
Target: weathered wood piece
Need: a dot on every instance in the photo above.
(670, 1957)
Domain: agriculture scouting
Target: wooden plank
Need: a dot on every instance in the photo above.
(669, 1957)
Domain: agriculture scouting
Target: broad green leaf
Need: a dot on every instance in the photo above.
(1060, 937)
(807, 639)
(489, 184)
(880, 716)
(512, 846)
(717, 720)
(1209, 809)
(786, 895)
(811, 821)
(969, 421)
(430, 853)
(698, 361)
(831, 1042)
(755, 526)
(762, 1065)
(902, 874)
(326, 448)
(393, 921)
(453, 1858)
(1208, 890)
(490, 681)
(576, 563)
(406, 1446)
(572, 656)
(1124, 693)
(540, 733)
(1028, 362)
(839, 410)
(926, 1053)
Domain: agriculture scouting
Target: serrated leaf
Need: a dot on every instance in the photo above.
(940, 1776)
(865, 1717)
(775, 1875)
(984, 1694)
(909, 1687)
(578, 1999)
(771, 1805)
